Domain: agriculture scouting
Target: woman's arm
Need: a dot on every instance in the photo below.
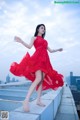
(17, 39)
(52, 51)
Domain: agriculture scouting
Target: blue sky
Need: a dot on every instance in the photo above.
(20, 17)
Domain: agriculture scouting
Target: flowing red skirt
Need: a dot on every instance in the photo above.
(30, 64)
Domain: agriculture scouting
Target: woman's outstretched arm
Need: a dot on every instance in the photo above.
(29, 46)
(52, 51)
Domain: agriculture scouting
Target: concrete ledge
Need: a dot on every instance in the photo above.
(52, 102)
(59, 106)
(22, 116)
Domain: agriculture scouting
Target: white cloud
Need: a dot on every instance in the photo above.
(21, 18)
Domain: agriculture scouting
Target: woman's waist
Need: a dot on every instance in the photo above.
(41, 47)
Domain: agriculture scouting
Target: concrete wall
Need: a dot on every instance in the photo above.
(52, 102)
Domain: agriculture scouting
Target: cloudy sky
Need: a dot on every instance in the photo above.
(62, 21)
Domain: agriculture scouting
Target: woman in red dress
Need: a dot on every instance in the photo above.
(37, 67)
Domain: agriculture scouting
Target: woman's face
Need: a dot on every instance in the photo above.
(41, 29)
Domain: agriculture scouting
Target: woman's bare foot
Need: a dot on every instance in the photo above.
(26, 106)
(40, 104)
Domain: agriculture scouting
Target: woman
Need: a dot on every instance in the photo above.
(37, 67)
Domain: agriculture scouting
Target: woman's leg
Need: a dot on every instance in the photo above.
(31, 89)
(40, 92)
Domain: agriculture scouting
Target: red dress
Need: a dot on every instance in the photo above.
(38, 61)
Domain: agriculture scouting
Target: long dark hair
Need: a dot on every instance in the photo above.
(37, 28)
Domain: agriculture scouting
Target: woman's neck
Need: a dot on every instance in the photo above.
(39, 34)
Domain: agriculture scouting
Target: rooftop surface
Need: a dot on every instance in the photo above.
(59, 105)
(67, 109)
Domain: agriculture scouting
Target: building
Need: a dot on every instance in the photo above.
(74, 83)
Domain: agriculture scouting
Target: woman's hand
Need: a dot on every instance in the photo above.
(61, 49)
(52, 51)
(17, 39)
